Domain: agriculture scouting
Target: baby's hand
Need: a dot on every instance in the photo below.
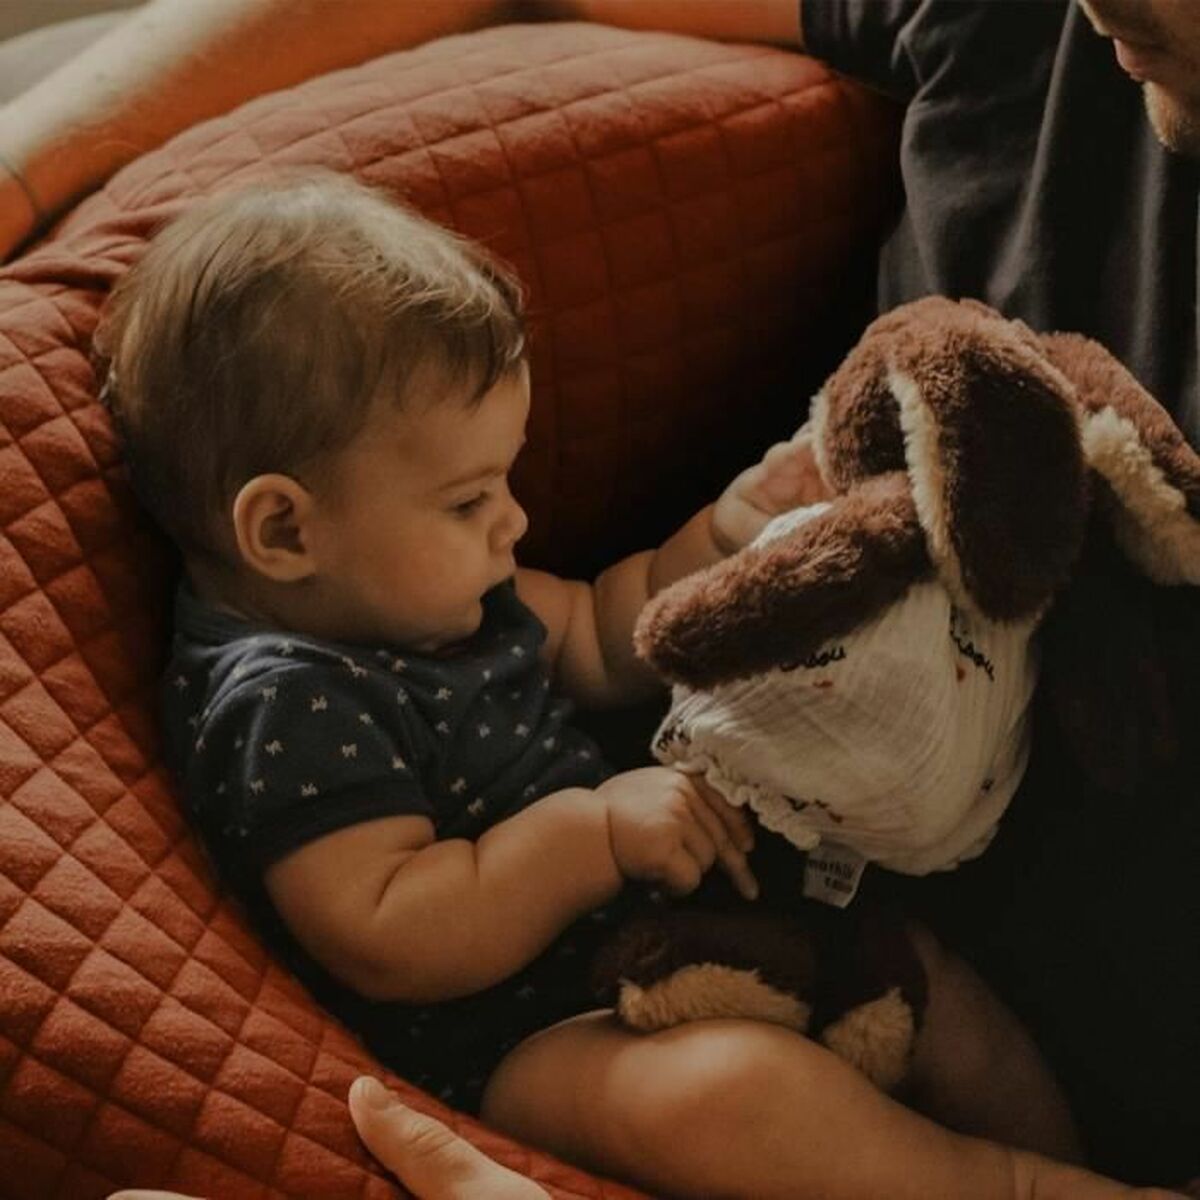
(785, 478)
(666, 827)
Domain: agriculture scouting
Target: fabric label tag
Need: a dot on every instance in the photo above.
(832, 874)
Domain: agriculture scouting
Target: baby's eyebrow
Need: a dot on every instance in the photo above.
(479, 474)
(473, 477)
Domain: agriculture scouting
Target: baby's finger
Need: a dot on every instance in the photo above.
(786, 473)
(786, 456)
(738, 870)
(733, 817)
(698, 840)
(780, 454)
(681, 873)
(731, 857)
(774, 488)
(726, 848)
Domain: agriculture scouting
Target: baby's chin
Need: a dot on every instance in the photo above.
(380, 632)
(450, 640)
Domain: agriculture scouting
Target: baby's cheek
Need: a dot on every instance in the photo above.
(441, 575)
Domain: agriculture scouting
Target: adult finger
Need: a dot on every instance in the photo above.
(428, 1157)
(149, 1194)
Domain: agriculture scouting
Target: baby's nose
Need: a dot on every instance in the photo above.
(513, 525)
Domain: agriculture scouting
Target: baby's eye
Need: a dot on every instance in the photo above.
(466, 507)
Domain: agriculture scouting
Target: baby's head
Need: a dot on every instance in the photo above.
(321, 394)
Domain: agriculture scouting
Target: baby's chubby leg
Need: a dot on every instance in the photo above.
(726, 1108)
(976, 1069)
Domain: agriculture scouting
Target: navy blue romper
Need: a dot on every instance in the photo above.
(278, 739)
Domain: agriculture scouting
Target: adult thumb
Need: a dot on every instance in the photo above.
(427, 1156)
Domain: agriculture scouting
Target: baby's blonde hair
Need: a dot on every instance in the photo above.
(259, 327)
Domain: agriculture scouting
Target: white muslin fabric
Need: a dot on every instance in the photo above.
(905, 740)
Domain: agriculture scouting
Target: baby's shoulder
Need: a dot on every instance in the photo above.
(269, 678)
(239, 665)
(275, 707)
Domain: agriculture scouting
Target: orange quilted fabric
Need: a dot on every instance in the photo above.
(679, 209)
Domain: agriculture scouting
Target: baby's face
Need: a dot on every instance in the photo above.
(417, 522)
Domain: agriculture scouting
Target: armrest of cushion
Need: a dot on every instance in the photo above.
(28, 57)
(679, 210)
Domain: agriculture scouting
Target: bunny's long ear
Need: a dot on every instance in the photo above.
(992, 441)
(1111, 668)
(1153, 475)
(778, 602)
(989, 433)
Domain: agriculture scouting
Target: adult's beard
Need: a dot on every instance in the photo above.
(1176, 125)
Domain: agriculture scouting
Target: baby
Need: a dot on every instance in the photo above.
(321, 396)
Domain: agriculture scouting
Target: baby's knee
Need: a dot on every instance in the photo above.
(672, 1111)
(625, 1103)
(711, 1078)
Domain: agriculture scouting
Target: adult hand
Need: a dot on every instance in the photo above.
(428, 1157)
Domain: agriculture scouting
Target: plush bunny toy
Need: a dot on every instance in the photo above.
(861, 676)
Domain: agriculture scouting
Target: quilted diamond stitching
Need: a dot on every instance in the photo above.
(78, 764)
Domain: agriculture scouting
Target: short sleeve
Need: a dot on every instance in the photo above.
(295, 754)
(867, 40)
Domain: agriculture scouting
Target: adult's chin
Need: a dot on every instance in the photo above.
(1176, 121)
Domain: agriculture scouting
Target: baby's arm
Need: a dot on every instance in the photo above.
(589, 642)
(397, 915)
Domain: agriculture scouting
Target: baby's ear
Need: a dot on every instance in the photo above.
(779, 601)
(272, 517)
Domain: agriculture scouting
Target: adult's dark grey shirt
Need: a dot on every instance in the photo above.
(1033, 178)
(1034, 181)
